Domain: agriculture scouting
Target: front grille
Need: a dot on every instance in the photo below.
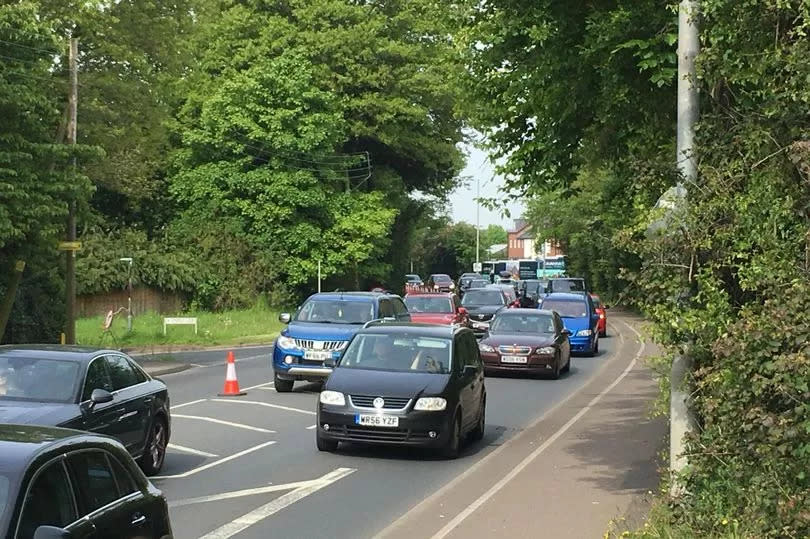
(515, 350)
(310, 362)
(374, 434)
(307, 344)
(391, 403)
(481, 317)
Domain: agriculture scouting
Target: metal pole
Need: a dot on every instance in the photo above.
(478, 220)
(70, 263)
(319, 276)
(129, 300)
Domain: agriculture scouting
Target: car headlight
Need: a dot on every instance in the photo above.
(584, 333)
(485, 347)
(335, 398)
(431, 404)
(286, 342)
(452, 286)
(546, 351)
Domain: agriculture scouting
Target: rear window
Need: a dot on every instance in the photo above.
(38, 380)
(442, 279)
(398, 353)
(423, 304)
(567, 285)
(567, 309)
(326, 311)
(523, 323)
(482, 297)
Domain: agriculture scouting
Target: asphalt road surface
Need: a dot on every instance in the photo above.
(248, 467)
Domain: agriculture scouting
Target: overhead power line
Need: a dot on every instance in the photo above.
(28, 47)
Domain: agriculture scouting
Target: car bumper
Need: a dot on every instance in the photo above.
(480, 328)
(536, 364)
(300, 369)
(581, 344)
(413, 430)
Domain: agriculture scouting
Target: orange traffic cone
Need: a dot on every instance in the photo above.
(231, 388)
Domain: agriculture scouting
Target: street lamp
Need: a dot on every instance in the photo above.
(128, 260)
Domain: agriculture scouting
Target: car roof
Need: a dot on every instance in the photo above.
(351, 296)
(21, 443)
(411, 328)
(52, 351)
(566, 296)
(439, 294)
(512, 312)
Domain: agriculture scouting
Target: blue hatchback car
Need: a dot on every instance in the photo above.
(579, 317)
(322, 327)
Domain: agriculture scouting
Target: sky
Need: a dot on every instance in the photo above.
(462, 200)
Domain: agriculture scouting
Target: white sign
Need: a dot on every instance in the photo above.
(189, 321)
(477, 267)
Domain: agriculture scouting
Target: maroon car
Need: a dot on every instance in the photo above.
(436, 308)
(527, 341)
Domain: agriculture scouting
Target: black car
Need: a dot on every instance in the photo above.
(441, 282)
(61, 483)
(566, 284)
(405, 384)
(465, 280)
(102, 391)
(531, 292)
(482, 304)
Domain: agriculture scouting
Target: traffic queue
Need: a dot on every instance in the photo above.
(409, 370)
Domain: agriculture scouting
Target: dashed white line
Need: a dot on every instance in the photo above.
(269, 509)
(191, 451)
(268, 405)
(221, 422)
(215, 463)
(176, 406)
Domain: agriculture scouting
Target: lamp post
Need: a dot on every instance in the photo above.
(128, 260)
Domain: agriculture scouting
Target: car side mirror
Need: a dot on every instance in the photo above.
(469, 370)
(284, 318)
(567, 332)
(52, 532)
(99, 396)
(462, 311)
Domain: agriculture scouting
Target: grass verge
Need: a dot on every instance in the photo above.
(250, 326)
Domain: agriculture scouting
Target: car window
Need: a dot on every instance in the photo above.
(97, 378)
(398, 352)
(386, 310)
(123, 478)
(429, 304)
(483, 297)
(121, 372)
(140, 375)
(400, 309)
(94, 479)
(523, 323)
(328, 311)
(43, 380)
(567, 309)
(49, 501)
(475, 353)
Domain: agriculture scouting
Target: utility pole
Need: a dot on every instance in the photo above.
(478, 220)
(682, 420)
(70, 265)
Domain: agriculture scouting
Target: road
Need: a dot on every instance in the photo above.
(247, 467)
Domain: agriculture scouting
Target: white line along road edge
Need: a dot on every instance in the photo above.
(257, 515)
(453, 524)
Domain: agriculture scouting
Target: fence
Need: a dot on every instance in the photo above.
(143, 300)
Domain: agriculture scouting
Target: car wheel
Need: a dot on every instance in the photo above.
(596, 346)
(555, 374)
(282, 386)
(155, 452)
(325, 444)
(478, 433)
(567, 367)
(451, 448)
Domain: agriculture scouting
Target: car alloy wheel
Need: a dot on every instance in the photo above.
(451, 449)
(155, 454)
(478, 433)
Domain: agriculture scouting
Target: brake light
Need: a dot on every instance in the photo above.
(602, 316)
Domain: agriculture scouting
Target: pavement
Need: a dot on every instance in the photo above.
(559, 458)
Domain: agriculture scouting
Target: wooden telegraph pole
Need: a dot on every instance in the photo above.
(70, 247)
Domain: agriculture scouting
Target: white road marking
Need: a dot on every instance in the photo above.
(257, 515)
(251, 358)
(258, 386)
(221, 422)
(312, 427)
(267, 404)
(196, 365)
(461, 517)
(242, 493)
(176, 406)
(191, 451)
(215, 463)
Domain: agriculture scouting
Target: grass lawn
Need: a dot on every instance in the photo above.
(249, 326)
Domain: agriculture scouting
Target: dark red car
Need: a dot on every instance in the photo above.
(601, 310)
(530, 341)
(436, 308)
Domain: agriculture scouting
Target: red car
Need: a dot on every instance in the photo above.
(436, 308)
(601, 310)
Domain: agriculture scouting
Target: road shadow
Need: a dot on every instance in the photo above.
(506, 375)
(622, 449)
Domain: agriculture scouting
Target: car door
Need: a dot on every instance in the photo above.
(478, 384)
(129, 388)
(565, 343)
(103, 418)
(108, 496)
(466, 381)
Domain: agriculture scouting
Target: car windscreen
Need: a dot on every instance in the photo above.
(567, 285)
(442, 279)
(567, 309)
(522, 323)
(38, 380)
(474, 298)
(478, 283)
(426, 304)
(398, 353)
(412, 278)
(332, 311)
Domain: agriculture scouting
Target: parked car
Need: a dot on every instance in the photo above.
(482, 304)
(321, 328)
(580, 318)
(531, 291)
(102, 391)
(405, 384)
(527, 341)
(436, 308)
(440, 282)
(601, 310)
(566, 284)
(61, 483)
